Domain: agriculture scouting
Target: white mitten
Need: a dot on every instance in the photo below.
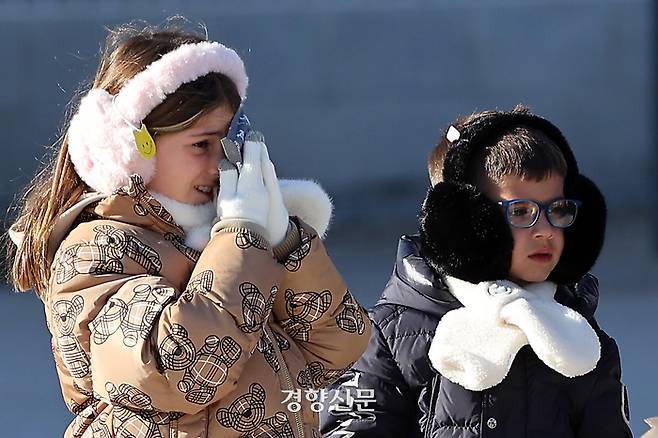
(277, 219)
(243, 197)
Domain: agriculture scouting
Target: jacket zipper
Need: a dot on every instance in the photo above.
(483, 404)
(287, 378)
(433, 395)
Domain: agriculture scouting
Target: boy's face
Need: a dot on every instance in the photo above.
(537, 249)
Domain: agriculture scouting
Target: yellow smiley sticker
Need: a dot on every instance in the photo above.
(145, 143)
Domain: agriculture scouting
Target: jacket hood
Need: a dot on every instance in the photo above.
(414, 284)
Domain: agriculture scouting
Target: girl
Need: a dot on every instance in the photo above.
(174, 310)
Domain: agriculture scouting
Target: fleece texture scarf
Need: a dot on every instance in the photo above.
(474, 346)
(304, 199)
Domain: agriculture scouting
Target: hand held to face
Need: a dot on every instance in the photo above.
(252, 194)
(233, 143)
(277, 219)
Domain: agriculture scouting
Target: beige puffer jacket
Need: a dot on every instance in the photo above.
(154, 339)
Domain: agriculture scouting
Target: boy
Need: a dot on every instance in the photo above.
(471, 337)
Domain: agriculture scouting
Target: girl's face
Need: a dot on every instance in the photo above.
(537, 249)
(187, 160)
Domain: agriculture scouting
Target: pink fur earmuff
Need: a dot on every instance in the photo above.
(100, 136)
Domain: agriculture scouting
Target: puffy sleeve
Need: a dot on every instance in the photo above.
(317, 310)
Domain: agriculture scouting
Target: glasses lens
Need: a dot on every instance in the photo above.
(522, 214)
(562, 213)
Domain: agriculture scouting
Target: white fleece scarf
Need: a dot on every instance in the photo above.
(195, 220)
(303, 198)
(474, 346)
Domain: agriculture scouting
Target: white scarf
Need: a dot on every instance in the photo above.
(303, 198)
(195, 220)
(474, 346)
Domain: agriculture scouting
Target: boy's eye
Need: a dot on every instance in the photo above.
(520, 211)
(563, 208)
(560, 211)
(201, 144)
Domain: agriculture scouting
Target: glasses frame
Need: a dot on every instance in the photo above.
(543, 208)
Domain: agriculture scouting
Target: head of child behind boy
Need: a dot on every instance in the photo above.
(522, 171)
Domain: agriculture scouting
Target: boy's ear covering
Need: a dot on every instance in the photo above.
(584, 239)
(464, 234)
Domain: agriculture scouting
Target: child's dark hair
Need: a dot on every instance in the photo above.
(524, 152)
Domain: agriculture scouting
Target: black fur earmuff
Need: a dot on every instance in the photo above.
(464, 234)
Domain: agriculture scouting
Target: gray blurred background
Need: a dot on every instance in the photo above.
(354, 93)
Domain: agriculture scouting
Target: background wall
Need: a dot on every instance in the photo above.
(354, 93)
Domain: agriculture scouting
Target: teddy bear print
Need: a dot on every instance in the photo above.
(104, 254)
(176, 351)
(204, 369)
(316, 376)
(255, 308)
(86, 412)
(99, 427)
(245, 239)
(135, 318)
(267, 348)
(200, 284)
(133, 413)
(89, 423)
(145, 203)
(294, 260)
(209, 370)
(303, 309)
(91, 399)
(64, 314)
(350, 318)
(191, 253)
(247, 415)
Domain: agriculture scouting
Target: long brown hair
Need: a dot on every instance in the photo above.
(56, 187)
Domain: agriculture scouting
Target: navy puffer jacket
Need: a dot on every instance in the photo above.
(412, 400)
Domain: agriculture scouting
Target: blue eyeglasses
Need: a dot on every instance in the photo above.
(524, 213)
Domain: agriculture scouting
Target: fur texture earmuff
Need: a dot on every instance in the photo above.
(584, 239)
(465, 235)
(100, 136)
(459, 227)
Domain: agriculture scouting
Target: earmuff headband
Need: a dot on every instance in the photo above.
(464, 234)
(101, 136)
(485, 130)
